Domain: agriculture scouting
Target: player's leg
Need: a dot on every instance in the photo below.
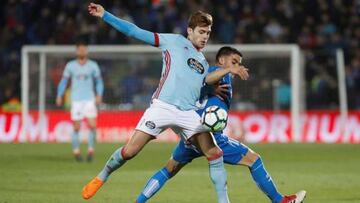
(181, 156)
(76, 116)
(152, 123)
(75, 140)
(91, 138)
(214, 154)
(258, 172)
(90, 112)
(138, 140)
(158, 180)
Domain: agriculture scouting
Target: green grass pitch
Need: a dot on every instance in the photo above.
(47, 173)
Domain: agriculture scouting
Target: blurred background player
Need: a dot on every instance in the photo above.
(235, 153)
(83, 72)
(182, 61)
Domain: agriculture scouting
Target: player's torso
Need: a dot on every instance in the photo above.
(185, 69)
(82, 81)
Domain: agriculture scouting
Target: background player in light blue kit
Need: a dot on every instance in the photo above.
(235, 153)
(83, 72)
(174, 102)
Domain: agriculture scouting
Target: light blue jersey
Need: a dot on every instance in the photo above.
(184, 67)
(183, 72)
(82, 80)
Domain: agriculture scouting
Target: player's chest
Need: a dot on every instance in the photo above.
(81, 74)
(192, 62)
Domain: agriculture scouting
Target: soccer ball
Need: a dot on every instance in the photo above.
(214, 118)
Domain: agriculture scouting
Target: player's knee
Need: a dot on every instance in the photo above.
(214, 153)
(129, 152)
(173, 167)
(252, 156)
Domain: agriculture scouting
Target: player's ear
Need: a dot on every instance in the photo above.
(221, 60)
(189, 31)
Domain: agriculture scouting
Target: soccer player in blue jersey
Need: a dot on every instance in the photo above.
(235, 153)
(173, 104)
(83, 72)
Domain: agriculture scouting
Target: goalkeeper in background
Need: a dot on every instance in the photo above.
(83, 73)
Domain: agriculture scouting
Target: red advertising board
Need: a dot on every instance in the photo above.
(117, 126)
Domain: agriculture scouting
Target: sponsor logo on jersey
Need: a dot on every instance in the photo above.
(150, 124)
(195, 65)
(82, 76)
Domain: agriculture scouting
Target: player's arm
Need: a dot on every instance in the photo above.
(99, 85)
(62, 86)
(125, 27)
(217, 75)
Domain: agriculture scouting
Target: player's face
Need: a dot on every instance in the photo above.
(81, 51)
(231, 60)
(199, 36)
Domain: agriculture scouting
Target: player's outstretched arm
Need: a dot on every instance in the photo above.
(217, 75)
(125, 27)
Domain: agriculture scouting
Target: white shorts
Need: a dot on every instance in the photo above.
(83, 109)
(160, 116)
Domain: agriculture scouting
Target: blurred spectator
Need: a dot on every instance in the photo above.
(12, 103)
(319, 26)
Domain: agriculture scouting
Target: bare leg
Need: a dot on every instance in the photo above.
(117, 159)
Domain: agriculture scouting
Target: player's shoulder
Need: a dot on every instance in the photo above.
(71, 63)
(92, 62)
(170, 35)
(171, 38)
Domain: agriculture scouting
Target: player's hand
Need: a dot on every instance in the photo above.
(58, 101)
(221, 91)
(96, 10)
(98, 99)
(240, 71)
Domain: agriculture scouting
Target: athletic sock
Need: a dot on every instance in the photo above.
(91, 140)
(218, 177)
(264, 181)
(155, 183)
(75, 142)
(115, 161)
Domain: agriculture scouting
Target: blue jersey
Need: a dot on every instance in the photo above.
(212, 100)
(82, 80)
(233, 150)
(184, 67)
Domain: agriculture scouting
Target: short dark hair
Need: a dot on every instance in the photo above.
(226, 51)
(81, 43)
(201, 19)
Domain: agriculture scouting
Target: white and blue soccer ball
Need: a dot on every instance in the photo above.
(214, 118)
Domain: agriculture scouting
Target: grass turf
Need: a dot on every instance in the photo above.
(46, 173)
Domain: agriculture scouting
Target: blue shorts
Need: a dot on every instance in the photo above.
(233, 151)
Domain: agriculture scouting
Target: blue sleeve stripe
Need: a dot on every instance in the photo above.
(99, 86)
(62, 87)
(130, 29)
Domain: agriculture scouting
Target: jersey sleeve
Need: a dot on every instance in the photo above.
(130, 29)
(64, 80)
(166, 40)
(99, 84)
(67, 71)
(96, 71)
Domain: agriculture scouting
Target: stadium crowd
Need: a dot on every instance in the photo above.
(318, 26)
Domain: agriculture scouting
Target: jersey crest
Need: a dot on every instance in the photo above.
(196, 65)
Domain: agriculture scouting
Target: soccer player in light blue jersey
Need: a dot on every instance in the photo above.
(235, 153)
(83, 72)
(173, 104)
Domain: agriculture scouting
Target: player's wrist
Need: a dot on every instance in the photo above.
(104, 15)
